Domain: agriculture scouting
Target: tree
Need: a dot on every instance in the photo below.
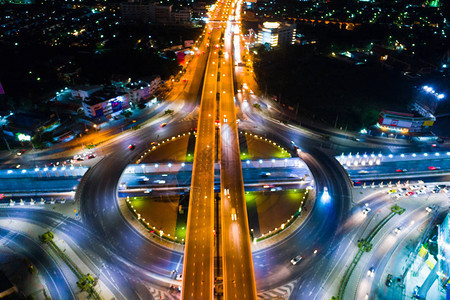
(46, 237)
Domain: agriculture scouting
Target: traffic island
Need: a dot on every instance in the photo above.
(154, 195)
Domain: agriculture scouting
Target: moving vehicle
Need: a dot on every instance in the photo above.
(132, 146)
(143, 179)
(163, 125)
(401, 170)
(371, 272)
(389, 280)
(233, 214)
(296, 260)
(366, 210)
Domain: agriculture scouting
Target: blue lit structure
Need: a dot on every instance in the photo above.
(444, 250)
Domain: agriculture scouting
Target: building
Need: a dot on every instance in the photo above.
(153, 12)
(82, 92)
(182, 16)
(154, 83)
(404, 123)
(138, 91)
(163, 14)
(108, 103)
(276, 34)
(444, 250)
(132, 10)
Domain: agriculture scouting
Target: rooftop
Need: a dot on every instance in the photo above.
(104, 95)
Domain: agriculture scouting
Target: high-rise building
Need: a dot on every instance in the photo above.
(276, 34)
(152, 12)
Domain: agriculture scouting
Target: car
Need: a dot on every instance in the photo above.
(429, 209)
(265, 174)
(233, 214)
(20, 152)
(371, 271)
(434, 168)
(401, 170)
(363, 172)
(132, 146)
(397, 230)
(179, 277)
(434, 145)
(143, 179)
(148, 191)
(80, 159)
(392, 191)
(366, 210)
(225, 120)
(389, 280)
(153, 144)
(296, 260)
(91, 156)
(163, 125)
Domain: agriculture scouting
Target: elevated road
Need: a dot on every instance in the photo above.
(238, 273)
(198, 266)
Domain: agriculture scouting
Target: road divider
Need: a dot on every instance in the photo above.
(365, 245)
(85, 281)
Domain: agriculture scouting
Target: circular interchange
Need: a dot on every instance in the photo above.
(271, 208)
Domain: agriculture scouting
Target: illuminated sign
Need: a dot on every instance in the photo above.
(23, 137)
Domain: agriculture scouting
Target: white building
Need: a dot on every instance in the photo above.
(138, 91)
(82, 92)
(106, 103)
(276, 34)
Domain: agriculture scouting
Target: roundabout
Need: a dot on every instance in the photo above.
(140, 253)
(156, 190)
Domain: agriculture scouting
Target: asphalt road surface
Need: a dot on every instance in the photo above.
(239, 278)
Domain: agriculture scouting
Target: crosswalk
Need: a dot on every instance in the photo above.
(279, 293)
(163, 295)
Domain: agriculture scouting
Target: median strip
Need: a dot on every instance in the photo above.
(85, 281)
(365, 245)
